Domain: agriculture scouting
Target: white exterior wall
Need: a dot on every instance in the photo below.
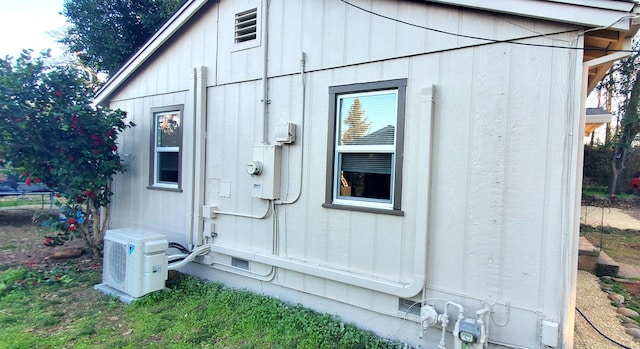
(488, 227)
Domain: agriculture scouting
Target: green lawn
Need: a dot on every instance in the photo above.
(57, 307)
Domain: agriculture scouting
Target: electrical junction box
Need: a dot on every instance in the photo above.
(549, 334)
(265, 171)
(285, 133)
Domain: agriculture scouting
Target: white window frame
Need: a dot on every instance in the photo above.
(154, 172)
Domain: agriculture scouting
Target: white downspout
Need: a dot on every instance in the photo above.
(199, 151)
(265, 72)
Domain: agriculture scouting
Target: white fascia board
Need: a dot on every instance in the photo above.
(170, 27)
(619, 5)
(591, 13)
(598, 119)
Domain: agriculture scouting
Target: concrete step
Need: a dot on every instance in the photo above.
(607, 266)
(595, 261)
(587, 256)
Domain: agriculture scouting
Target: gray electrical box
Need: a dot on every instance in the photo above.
(266, 181)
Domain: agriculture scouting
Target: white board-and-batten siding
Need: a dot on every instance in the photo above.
(481, 194)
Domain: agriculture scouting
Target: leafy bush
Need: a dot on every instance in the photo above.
(50, 128)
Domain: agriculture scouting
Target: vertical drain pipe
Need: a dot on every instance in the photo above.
(199, 150)
(265, 76)
(194, 115)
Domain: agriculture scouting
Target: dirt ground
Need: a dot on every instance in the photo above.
(25, 247)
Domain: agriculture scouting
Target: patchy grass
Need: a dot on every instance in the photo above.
(55, 306)
(50, 308)
(23, 200)
(631, 299)
(621, 245)
(59, 308)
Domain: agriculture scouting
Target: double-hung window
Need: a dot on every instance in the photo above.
(364, 164)
(166, 147)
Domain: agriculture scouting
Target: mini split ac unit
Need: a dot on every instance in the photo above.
(135, 261)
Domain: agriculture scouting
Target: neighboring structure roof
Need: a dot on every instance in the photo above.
(383, 136)
(595, 118)
(614, 22)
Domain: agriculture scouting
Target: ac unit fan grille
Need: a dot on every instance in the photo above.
(116, 261)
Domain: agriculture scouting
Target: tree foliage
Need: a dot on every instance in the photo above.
(597, 164)
(52, 132)
(624, 83)
(356, 122)
(104, 34)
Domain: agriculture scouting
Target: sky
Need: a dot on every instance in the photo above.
(30, 24)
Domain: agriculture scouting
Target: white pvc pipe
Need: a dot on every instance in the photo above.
(371, 282)
(245, 215)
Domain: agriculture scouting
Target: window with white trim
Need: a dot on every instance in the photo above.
(166, 147)
(364, 164)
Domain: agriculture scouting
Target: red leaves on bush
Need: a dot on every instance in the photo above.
(36, 180)
(96, 139)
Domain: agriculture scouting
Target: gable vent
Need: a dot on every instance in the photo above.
(246, 25)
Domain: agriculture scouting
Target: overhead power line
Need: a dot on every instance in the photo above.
(513, 41)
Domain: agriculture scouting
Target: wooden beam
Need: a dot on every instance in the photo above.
(603, 36)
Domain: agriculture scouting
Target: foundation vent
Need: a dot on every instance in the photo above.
(240, 263)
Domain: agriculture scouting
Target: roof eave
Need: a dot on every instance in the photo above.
(162, 35)
(614, 14)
